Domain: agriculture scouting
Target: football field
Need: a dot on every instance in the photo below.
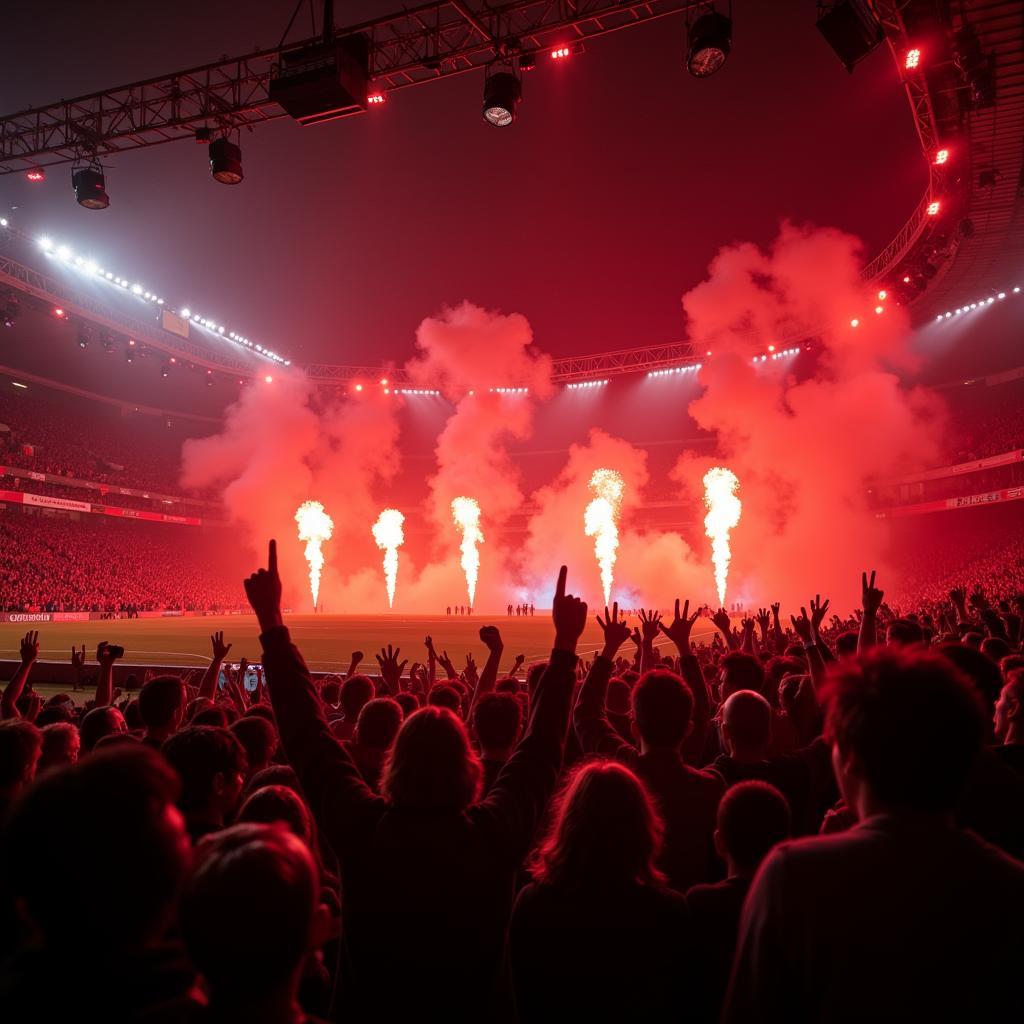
(326, 641)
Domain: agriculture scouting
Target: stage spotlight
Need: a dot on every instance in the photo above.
(851, 30)
(58, 312)
(375, 98)
(913, 59)
(90, 187)
(83, 339)
(934, 207)
(165, 370)
(710, 38)
(35, 174)
(502, 93)
(527, 60)
(941, 156)
(225, 161)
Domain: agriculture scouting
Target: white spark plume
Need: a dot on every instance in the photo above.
(315, 527)
(601, 521)
(388, 534)
(724, 510)
(466, 513)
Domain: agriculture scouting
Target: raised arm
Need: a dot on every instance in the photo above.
(340, 800)
(815, 662)
(208, 685)
(679, 633)
(391, 669)
(106, 655)
(491, 637)
(354, 662)
(722, 621)
(519, 796)
(29, 652)
(870, 601)
(590, 717)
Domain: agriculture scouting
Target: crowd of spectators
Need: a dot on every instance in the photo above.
(986, 420)
(813, 817)
(55, 564)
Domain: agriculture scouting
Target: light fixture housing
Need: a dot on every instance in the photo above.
(226, 161)
(90, 187)
(710, 40)
(502, 93)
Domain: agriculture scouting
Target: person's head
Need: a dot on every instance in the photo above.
(739, 671)
(995, 648)
(905, 728)
(274, 775)
(261, 711)
(212, 714)
(619, 698)
(904, 633)
(100, 722)
(113, 813)
(496, 721)
(662, 709)
(983, 672)
(1007, 666)
(776, 670)
(605, 831)
(846, 645)
(330, 691)
(752, 818)
(431, 765)
(211, 764)
(279, 804)
(55, 712)
(378, 723)
(250, 912)
(355, 692)
(162, 705)
(1009, 713)
(746, 725)
(21, 743)
(408, 702)
(444, 695)
(259, 739)
(197, 704)
(508, 685)
(60, 745)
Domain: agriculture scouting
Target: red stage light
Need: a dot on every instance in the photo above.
(560, 53)
(942, 156)
(375, 97)
(58, 312)
(383, 381)
(913, 60)
(359, 387)
(854, 322)
(933, 208)
(36, 174)
(269, 379)
(879, 309)
(883, 294)
(906, 279)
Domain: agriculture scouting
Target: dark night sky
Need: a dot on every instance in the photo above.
(590, 216)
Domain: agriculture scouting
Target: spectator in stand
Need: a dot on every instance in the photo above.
(376, 729)
(497, 718)
(250, 915)
(61, 745)
(428, 814)
(356, 691)
(101, 951)
(1009, 722)
(752, 818)
(597, 935)
(211, 765)
(836, 926)
(20, 747)
(161, 708)
(259, 740)
(100, 723)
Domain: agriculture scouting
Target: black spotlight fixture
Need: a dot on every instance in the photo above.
(710, 40)
(502, 93)
(850, 28)
(90, 187)
(226, 161)
(83, 338)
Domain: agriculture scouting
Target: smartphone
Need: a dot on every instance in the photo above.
(253, 675)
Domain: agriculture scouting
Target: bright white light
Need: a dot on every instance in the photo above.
(136, 289)
(854, 322)
(45, 244)
(186, 312)
(64, 252)
(109, 276)
(3, 222)
(1002, 295)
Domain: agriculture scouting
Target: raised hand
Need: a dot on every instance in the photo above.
(569, 614)
(818, 612)
(429, 643)
(520, 658)
(390, 668)
(979, 600)
(263, 589)
(616, 632)
(107, 653)
(723, 622)
(679, 631)
(471, 673)
(802, 626)
(30, 647)
(650, 624)
(763, 620)
(870, 596)
(78, 658)
(446, 664)
(958, 596)
(220, 649)
(491, 637)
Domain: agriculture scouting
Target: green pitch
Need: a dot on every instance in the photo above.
(326, 641)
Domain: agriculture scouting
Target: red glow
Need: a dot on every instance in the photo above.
(560, 53)
(879, 309)
(913, 59)
(375, 97)
(934, 207)
(942, 156)
(906, 279)
(359, 387)
(882, 294)
(269, 379)
(36, 174)
(58, 312)
(383, 381)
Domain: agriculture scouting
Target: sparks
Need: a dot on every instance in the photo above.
(466, 513)
(388, 534)
(315, 526)
(724, 510)
(601, 521)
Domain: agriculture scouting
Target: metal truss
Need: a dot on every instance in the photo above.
(413, 47)
(49, 289)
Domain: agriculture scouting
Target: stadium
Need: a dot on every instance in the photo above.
(646, 372)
